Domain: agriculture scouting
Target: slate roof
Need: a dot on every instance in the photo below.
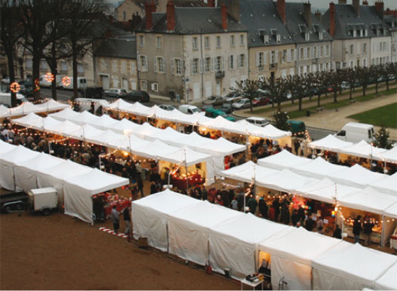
(261, 18)
(195, 20)
(346, 18)
(297, 25)
(117, 48)
(389, 19)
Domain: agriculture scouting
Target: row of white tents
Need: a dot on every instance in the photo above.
(205, 233)
(361, 149)
(29, 107)
(352, 187)
(24, 169)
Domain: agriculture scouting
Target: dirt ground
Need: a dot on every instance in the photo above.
(60, 252)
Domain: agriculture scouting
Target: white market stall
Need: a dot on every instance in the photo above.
(283, 160)
(350, 267)
(356, 176)
(78, 191)
(291, 255)
(387, 185)
(317, 168)
(330, 143)
(189, 230)
(234, 244)
(150, 216)
(388, 280)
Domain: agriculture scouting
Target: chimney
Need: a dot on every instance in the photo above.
(356, 7)
(380, 7)
(149, 18)
(318, 15)
(365, 2)
(224, 17)
(211, 3)
(170, 16)
(233, 7)
(342, 2)
(332, 19)
(307, 13)
(281, 10)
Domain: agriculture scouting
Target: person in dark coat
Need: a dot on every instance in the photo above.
(337, 232)
(263, 208)
(295, 217)
(284, 215)
(309, 223)
(153, 187)
(252, 204)
(357, 229)
(276, 206)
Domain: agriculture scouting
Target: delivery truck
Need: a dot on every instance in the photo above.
(356, 132)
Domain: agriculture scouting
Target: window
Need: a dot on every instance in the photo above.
(43, 64)
(321, 51)
(260, 59)
(301, 55)
(195, 66)
(195, 43)
(207, 42)
(155, 87)
(307, 56)
(242, 39)
(159, 65)
(124, 16)
(352, 49)
(231, 62)
(178, 66)
(141, 41)
(273, 57)
(143, 63)
(207, 65)
(218, 64)
(123, 67)
(241, 61)
(144, 85)
(218, 41)
(284, 56)
(80, 68)
(158, 42)
(278, 38)
(133, 68)
(232, 40)
(29, 64)
(114, 66)
(307, 36)
(315, 52)
(327, 50)
(64, 66)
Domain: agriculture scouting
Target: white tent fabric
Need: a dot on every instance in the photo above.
(119, 105)
(124, 126)
(268, 132)
(285, 180)
(111, 139)
(26, 173)
(84, 117)
(86, 132)
(139, 109)
(184, 156)
(189, 229)
(364, 149)
(65, 114)
(78, 191)
(390, 155)
(368, 200)
(150, 216)
(292, 252)
(25, 108)
(318, 168)
(29, 120)
(356, 176)
(165, 135)
(65, 128)
(325, 190)
(146, 131)
(387, 185)
(350, 267)
(234, 243)
(220, 147)
(388, 280)
(9, 160)
(191, 140)
(4, 111)
(5, 147)
(135, 142)
(391, 211)
(330, 143)
(155, 150)
(52, 105)
(105, 122)
(283, 160)
(247, 172)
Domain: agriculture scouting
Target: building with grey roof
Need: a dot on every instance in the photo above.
(361, 36)
(195, 52)
(115, 64)
(391, 21)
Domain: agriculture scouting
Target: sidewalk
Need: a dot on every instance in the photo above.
(334, 119)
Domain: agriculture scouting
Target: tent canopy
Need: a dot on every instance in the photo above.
(388, 280)
(364, 149)
(283, 160)
(318, 168)
(387, 185)
(330, 143)
(65, 114)
(356, 176)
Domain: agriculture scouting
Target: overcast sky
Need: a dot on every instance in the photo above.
(323, 4)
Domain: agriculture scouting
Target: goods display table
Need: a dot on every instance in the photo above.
(253, 285)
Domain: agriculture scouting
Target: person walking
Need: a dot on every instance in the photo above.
(357, 229)
(127, 219)
(115, 216)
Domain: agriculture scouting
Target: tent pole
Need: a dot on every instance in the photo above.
(187, 178)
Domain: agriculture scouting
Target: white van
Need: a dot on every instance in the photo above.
(45, 83)
(81, 84)
(188, 109)
(356, 132)
(5, 99)
(258, 121)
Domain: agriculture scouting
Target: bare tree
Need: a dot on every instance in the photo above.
(278, 89)
(248, 89)
(364, 77)
(350, 76)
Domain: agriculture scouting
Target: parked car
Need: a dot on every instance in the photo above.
(258, 121)
(6, 80)
(140, 96)
(227, 107)
(116, 93)
(261, 101)
(213, 113)
(345, 85)
(167, 107)
(93, 92)
(232, 96)
(188, 109)
(242, 103)
(214, 100)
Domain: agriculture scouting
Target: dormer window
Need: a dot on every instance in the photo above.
(307, 36)
(278, 38)
(266, 39)
(320, 35)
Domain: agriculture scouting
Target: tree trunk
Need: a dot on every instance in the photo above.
(387, 84)
(36, 75)
(376, 87)
(54, 72)
(11, 72)
(318, 100)
(364, 90)
(75, 89)
(335, 96)
(351, 93)
(300, 103)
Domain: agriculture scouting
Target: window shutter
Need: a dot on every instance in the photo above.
(139, 63)
(213, 64)
(146, 63)
(164, 65)
(223, 63)
(295, 54)
(265, 58)
(288, 55)
(257, 59)
(276, 57)
(173, 67)
(155, 65)
(245, 61)
(201, 65)
(191, 67)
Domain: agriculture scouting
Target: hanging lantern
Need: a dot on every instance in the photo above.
(15, 87)
(49, 77)
(66, 81)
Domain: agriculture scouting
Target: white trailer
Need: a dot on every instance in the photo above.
(43, 200)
